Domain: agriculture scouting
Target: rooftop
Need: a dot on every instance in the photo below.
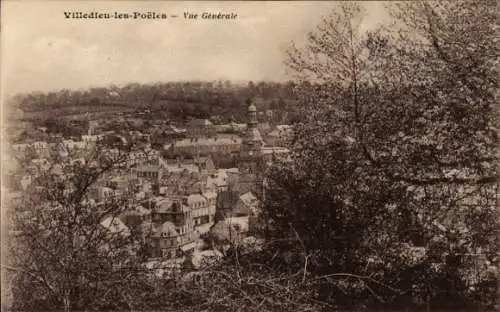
(147, 168)
(209, 195)
(209, 141)
(164, 205)
(273, 149)
(115, 225)
(166, 229)
(195, 198)
(248, 198)
(140, 210)
(199, 122)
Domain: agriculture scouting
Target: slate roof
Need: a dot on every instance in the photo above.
(199, 122)
(115, 225)
(166, 229)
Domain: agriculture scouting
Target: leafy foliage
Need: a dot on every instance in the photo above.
(173, 100)
(389, 197)
(396, 152)
(60, 254)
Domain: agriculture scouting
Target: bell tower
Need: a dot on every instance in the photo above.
(251, 144)
(250, 157)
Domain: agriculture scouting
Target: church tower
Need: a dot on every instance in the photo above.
(250, 157)
(250, 153)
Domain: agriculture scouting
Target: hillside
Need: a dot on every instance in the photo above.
(176, 100)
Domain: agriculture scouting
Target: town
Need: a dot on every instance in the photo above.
(319, 156)
(186, 191)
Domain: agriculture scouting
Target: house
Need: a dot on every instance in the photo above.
(226, 201)
(284, 129)
(204, 163)
(230, 230)
(180, 183)
(269, 113)
(80, 161)
(150, 172)
(71, 145)
(20, 148)
(135, 122)
(173, 228)
(272, 138)
(24, 181)
(10, 163)
(239, 127)
(202, 206)
(232, 203)
(223, 128)
(100, 193)
(231, 128)
(42, 149)
(179, 221)
(40, 164)
(279, 136)
(247, 204)
(264, 127)
(120, 183)
(113, 94)
(242, 183)
(182, 167)
(115, 140)
(12, 199)
(115, 226)
(270, 153)
(197, 122)
(200, 128)
(168, 134)
(217, 181)
(165, 240)
(57, 169)
(89, 139)
(211, 203)
(204, 146)
(196, 164)
(140, 213)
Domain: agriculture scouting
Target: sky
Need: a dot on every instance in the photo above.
(43, 51)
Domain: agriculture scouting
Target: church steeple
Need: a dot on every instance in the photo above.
(252, 136)
(250, 158)
(252, 116)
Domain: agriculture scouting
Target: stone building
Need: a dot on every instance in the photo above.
(179, 222)
(253, 159)
(200, 128)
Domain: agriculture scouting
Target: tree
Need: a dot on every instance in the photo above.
(397, 139)
(67, 249)
(449, 154)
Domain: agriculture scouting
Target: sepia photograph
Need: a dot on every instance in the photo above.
(189, 156)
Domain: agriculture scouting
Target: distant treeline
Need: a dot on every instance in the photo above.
(177, 100)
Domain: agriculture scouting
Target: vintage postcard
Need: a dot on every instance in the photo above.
(249, 156)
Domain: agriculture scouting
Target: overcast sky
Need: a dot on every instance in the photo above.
(41, 50)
